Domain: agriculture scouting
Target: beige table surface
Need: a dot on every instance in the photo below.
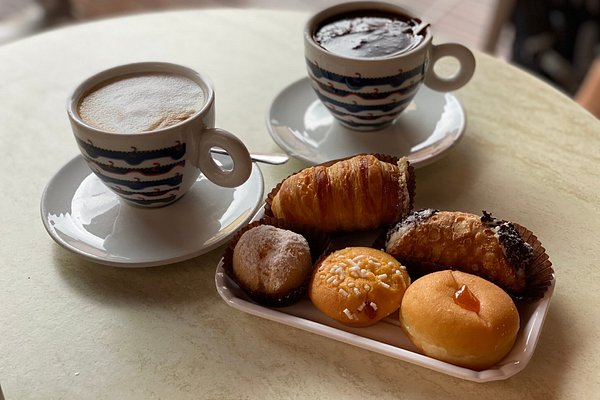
(71, 329)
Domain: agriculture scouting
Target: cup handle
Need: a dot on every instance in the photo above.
(242, 164)
(466, 62)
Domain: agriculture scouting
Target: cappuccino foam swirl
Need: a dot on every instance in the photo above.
(141, 102)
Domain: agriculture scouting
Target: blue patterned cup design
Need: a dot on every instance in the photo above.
(156, 168)
(367, 94)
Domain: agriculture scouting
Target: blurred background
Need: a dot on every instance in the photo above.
(557, 40)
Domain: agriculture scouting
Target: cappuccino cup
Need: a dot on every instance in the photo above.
(366, 61)
(147, 130)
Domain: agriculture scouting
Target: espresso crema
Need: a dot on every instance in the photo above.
(141, 102)
(368, 34)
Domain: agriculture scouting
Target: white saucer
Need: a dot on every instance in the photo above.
(301, 125)
(83, 216)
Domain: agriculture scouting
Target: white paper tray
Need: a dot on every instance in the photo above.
(386, 337)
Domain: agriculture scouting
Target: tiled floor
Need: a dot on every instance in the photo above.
(464, 21)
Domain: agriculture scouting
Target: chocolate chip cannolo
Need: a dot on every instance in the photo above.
(431, 240)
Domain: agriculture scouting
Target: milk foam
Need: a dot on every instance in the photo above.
(141, 102)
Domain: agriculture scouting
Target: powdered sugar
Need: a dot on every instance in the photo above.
(272, 259)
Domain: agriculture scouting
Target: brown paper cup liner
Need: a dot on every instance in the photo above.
(411, 181)
(318, 242)
(540, 274)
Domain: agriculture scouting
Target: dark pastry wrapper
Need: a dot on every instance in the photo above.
(318, 242)
(411, 180)
(539, 273)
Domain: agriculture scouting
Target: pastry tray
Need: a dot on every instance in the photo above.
(386, 337)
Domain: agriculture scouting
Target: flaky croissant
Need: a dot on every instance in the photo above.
(431, 240)
(358, 193)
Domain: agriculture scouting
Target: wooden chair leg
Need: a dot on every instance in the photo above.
(588, 94)
(501, 14)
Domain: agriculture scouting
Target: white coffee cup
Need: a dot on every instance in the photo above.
(369, 93)
(155, 168)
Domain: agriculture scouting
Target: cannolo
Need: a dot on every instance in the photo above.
(431, 240)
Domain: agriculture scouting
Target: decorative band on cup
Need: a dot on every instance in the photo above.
(360, 83)
(145, 178)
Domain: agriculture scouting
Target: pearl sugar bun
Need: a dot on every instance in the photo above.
(358, 286)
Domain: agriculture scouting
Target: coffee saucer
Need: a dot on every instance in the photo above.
(301, 125)
(83, 216)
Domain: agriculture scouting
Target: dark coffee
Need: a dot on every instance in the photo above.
(369, 34)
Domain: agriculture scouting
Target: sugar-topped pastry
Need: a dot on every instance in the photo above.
(358, 286)
(431, 240)
(270, 262)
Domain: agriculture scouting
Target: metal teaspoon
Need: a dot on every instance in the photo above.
(267, 158)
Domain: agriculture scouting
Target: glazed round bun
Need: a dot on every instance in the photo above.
(358, 286)
(460, 318)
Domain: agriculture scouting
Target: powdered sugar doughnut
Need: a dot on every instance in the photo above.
(271, 261)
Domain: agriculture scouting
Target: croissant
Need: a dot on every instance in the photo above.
(431, 240)
(359, 193)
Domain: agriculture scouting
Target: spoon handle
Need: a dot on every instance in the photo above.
(267, 158)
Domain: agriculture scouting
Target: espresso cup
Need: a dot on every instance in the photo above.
(367, 89)
(147, 129)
